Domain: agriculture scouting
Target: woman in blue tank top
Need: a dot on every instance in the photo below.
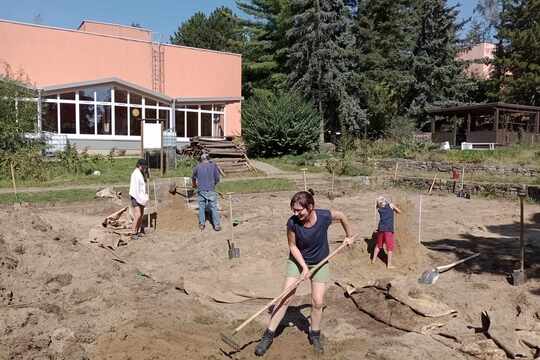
(307, 235)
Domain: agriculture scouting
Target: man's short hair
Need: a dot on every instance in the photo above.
(142, 162)
(205, 156)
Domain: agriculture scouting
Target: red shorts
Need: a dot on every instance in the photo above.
(385, 237)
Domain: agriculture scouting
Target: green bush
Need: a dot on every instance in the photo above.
(275, 125)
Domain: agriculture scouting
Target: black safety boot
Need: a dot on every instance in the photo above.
(315, 340)
(264, 344)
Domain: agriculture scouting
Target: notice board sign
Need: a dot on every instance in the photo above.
(152, 135)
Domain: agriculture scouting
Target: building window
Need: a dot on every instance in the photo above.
(104, 120)
(150, 102)
(150, 113)
(89, 111)
(49, 117)
(103, 94)
(135, 121)
(86, 95)
(67, 119)
(180, 117)
(206, 124)
(135, 99)
(211, 117)
(120, 96)
(120, 119)
(87, 120)
(219, 124)
(192, 124)
(68, 96)
(163, 115)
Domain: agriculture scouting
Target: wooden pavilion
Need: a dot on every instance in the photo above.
(491, 123)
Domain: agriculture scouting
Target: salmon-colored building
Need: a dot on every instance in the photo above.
(477, 55)
(97, 82)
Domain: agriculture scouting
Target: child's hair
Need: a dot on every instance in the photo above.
(303, 198)
(381, 201)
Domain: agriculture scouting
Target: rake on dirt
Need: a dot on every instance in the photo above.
(228, 339)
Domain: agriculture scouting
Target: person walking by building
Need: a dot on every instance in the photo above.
(385, 230)
(307, 236)
(138, 196)
(205, 178)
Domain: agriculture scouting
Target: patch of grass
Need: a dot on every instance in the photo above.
(256, 185)
(313, 162)
(115, 171)
(49, 196)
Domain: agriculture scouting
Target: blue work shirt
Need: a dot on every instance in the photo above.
(206, 174)
(386, 215)
(312, 242)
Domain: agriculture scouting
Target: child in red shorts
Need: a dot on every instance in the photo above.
(385, 230)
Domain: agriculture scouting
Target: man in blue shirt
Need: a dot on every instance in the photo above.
(205, 178)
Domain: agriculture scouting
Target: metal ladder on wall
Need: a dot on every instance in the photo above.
(158, 58)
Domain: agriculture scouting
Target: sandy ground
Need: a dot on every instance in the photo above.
(171, 294)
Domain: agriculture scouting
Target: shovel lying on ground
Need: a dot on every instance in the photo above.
(229, 339)
(431, 276)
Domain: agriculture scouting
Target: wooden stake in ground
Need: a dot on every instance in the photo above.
(155, 203)
(305, 180)
(230, 216)
(13, 181)
(148, 192)
(432, 183)
(420, 218)
(186, 181)
(462, 176)
(395, 171)
(333, 179)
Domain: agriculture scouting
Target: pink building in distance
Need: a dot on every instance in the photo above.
(97, 82)
(481, 51)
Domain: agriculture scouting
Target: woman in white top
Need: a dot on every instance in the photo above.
(138, 196)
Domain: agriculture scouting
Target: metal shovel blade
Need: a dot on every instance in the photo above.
(429, 277)
(234, 252)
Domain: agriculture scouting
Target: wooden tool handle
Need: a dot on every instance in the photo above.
(291, 287)
(449, 266)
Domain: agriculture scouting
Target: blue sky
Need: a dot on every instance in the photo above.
(161, 16)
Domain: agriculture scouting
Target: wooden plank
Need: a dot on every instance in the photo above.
(245, 169)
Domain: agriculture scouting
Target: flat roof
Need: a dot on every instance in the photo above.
(111, 24)
(486, 106)
(113, 80)
(117, 37)
(209, 99)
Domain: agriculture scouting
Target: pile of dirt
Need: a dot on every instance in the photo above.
(174, 216)
(409, 252)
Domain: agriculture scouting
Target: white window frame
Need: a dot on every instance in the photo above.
(113, 104)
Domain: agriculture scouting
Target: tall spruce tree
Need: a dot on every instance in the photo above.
(264, 56)
(321, 60)
(220, 31)
(439, 77)
(517, 59)
(385, 35)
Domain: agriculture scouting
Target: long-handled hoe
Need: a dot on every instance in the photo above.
(228, 339)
